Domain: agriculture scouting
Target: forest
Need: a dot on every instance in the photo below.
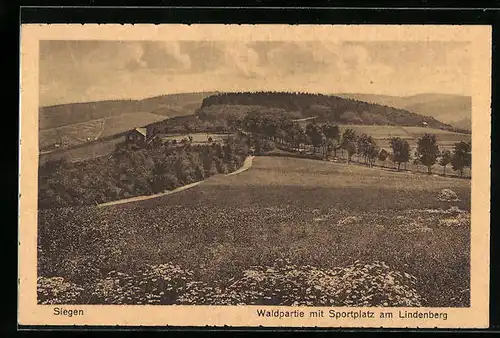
(327, 108)
(134, 172)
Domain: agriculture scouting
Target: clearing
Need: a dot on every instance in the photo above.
(384, 133)
(80, 133)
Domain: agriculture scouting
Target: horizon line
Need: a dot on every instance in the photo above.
(251, 91)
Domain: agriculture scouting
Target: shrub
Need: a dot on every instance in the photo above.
(447, 195)
(268, 145)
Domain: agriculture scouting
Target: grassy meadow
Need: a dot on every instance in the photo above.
(287, 231)
(382, 134)
(80, 133)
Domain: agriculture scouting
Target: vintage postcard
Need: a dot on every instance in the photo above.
(255, 175)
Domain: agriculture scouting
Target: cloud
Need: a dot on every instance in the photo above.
(166, 55)
(173, 49)
(357, 61)
(134, 54)
(72, 71)
(299, 58)
(241, 59)
(317, 59)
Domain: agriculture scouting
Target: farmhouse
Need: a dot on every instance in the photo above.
(137, 136)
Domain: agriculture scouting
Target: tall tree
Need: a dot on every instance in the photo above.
(296, 135)
(229, 149)
(315, 134)
(372, 153)
(427, 151)
(400, 151)
(367, 148)
(270, 126)
(350, 147)
(348, 136)
(363, 145)
(281, 136)
(382, 156)
(332, 134)
(461, 157)
(445, 159)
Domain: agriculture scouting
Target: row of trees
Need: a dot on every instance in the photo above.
(427, 152)
(327, 139)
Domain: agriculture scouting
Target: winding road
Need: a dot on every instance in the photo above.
(246, 165)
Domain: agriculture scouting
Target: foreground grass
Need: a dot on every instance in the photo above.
(311, 215)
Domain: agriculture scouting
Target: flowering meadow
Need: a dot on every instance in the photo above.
(105, 273)
(328, 239)
(283, 283)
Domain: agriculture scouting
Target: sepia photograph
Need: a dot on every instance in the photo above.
(275, 174)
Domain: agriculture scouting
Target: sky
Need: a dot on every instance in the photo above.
(82, 71)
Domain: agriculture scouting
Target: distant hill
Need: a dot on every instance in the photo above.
(165, 105)
(324, 107)
(451, 109)
(72, 124)
(464, 124)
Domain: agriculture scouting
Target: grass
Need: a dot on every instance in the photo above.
(84, 151)
(196, 137)
(78, 133)
(414, 169)
(119, 124)
(408, 133)
(71, 135)
(305, 212)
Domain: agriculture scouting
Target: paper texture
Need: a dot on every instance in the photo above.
(280, 230)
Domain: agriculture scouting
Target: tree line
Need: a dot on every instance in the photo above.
(327, 139)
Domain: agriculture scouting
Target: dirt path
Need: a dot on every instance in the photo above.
(142, 198)
(246, 165)
(102, 129)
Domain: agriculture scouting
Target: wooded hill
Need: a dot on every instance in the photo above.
(326, 108)
(448, 108)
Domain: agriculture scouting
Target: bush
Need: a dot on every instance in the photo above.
(268, 145)
(448, 195)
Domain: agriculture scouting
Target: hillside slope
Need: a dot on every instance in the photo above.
(165, 105)
(451, 109)
(324, 107)
(76, 123)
